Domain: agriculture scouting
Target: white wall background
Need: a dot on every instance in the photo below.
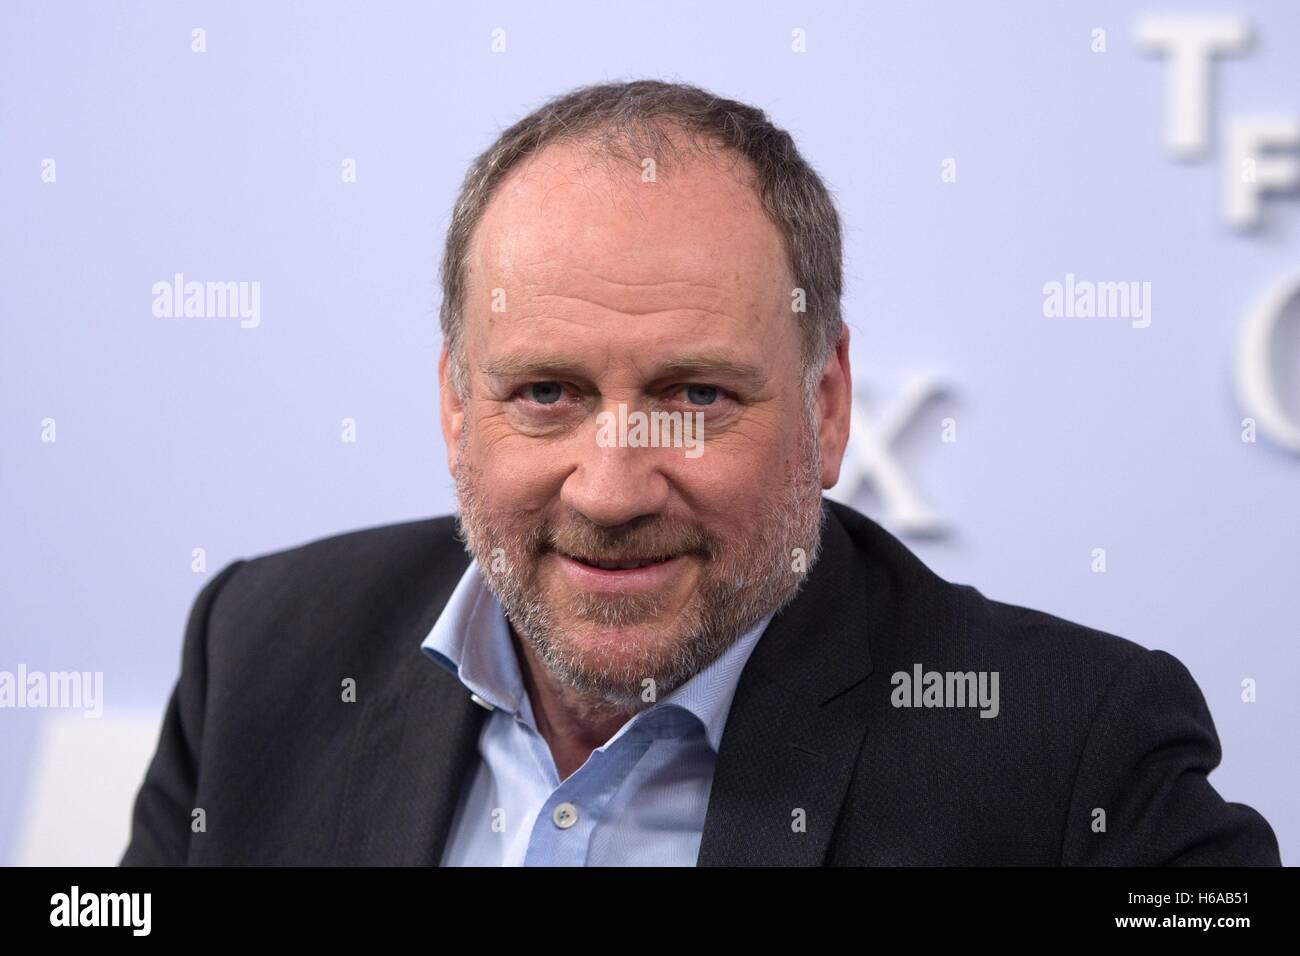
(172, 435)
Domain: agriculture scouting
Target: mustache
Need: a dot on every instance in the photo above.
(651, 537)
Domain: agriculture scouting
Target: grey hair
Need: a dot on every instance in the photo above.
(632, 120)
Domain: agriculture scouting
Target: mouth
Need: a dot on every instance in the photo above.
(619, 563)
(622, 573)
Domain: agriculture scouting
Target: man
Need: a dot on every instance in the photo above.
(663, 646)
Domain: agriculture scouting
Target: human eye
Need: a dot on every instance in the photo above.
(547, 407)
(702, 395)
(541, 393)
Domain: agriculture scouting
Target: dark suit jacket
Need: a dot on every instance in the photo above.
(258, 736)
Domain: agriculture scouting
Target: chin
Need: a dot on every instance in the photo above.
(633, 652)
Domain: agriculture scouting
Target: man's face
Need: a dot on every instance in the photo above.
(588, 289)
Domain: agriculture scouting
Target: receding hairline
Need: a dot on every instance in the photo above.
(613, 152)
(611, 165)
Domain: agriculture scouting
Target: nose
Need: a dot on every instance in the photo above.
(612, 486)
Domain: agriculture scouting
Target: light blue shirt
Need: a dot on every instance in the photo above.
(638, 800)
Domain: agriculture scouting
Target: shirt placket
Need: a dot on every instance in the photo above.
(563, 830)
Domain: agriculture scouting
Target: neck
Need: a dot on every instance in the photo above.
(573, 724)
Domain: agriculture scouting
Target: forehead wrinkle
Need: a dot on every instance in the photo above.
(623, 311)
(573, 288)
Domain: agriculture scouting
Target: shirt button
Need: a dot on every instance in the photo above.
(564, 815)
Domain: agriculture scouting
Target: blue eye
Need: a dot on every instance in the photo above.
(544, 393)
(702, 394)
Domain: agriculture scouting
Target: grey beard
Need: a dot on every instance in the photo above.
(745, 578)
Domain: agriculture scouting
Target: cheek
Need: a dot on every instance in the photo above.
(727, 486)
(513, 472)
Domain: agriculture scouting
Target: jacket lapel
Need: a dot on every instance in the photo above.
(415, 749)
(415, 746)
(797, 722)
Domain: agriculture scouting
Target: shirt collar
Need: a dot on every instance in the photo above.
(471, 639)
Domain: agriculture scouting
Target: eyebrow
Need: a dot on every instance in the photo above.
(705, 366)
(529, 366)
(713, 366)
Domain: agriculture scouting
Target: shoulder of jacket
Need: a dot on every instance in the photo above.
(993, 630)
(364, 592)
